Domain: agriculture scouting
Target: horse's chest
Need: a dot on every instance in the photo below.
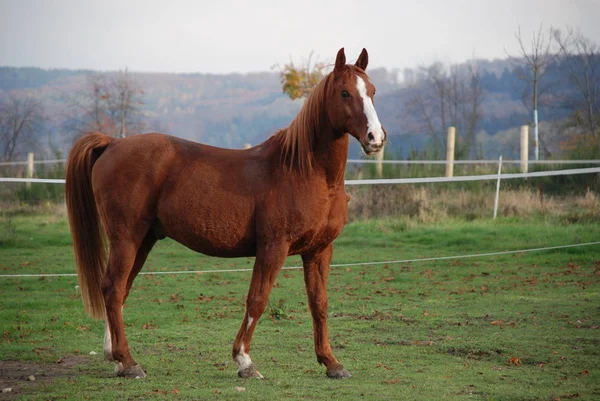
(329, 218)
(337, 216)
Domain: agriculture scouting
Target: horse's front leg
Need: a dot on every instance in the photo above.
(316, 271)
(267, 265)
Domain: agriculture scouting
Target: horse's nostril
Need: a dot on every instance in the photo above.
(370, 137)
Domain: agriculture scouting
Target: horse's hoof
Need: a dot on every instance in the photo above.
(131, 372)
(338, 372)
(250, 371)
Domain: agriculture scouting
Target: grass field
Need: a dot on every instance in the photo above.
(513, 327)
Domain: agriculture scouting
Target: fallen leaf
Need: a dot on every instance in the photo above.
(514, 361)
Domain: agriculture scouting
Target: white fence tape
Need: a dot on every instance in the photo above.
(444, 162)
(34, 180)
(24, 163)
(373, 161)
(472, 177)
(383, 262)
(420, 180)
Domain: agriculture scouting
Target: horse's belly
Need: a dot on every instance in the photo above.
(213, 234)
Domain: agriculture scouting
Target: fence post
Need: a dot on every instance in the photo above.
(450, 151)
(379, 166)
(30, 166)
(497, 188)
(524, 148)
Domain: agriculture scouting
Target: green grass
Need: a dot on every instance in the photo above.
(415, 331)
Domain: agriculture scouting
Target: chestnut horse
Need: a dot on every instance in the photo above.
(283, 197)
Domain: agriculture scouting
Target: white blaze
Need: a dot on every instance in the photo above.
(374, 126)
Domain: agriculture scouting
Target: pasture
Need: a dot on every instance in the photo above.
(522, 326)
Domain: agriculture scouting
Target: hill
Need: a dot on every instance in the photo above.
(231, 110)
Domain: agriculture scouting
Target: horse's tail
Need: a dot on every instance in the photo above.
(86, 228)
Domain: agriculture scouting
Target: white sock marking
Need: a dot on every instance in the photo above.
(373, 124)
(107, 342)
(243, 360)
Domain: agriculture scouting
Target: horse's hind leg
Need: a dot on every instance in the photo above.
(316, 271)
(266, 267)
(121, 261)
(140, 258)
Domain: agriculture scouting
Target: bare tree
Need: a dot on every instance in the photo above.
(111, 103)
(534, 59)
(19, 120)
(446, 96)
(471, 109)
(580, 62)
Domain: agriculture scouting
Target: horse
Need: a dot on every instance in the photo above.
(283, 197)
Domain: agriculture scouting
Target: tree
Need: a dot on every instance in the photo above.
(111, 104)
(580, 63)
(534, 61)
(445, 96)
(19, 120)
(297, 81)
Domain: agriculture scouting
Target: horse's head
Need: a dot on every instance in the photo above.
(350, 103)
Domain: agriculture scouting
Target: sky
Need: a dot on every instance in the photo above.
(223, 36)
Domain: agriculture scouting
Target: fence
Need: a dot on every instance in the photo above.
(449, 164)
(389, 181)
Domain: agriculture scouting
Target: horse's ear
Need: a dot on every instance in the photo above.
(363, 60)
(340, 61)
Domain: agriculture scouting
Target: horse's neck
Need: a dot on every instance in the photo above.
(331, 155)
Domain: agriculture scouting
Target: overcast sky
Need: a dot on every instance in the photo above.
(222, 36)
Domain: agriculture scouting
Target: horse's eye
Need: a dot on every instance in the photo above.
(345, 94)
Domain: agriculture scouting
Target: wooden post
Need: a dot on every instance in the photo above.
(450, 151)
(497, 187)
(379, 164)
(30, 167)
(524, 148)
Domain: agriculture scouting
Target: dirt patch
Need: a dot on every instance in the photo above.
(18, 375)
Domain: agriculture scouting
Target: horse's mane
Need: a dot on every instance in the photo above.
(298, 138)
